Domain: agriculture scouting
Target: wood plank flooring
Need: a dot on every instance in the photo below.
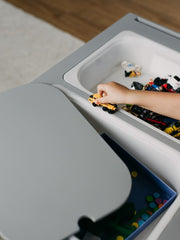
(84, 19)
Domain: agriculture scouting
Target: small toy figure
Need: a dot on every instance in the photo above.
(110, 108)
(131, 70)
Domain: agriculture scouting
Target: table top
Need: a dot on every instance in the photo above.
(55, 168)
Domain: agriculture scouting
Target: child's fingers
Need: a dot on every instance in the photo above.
(102, 100)
(101, 89)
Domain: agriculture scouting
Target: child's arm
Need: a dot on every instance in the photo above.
(165, 103)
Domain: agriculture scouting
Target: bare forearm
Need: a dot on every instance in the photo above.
(164, 103)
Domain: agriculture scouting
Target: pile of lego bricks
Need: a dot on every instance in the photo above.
(166, 124)
(124, 222)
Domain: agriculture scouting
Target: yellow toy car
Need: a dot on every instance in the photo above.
(110, 108)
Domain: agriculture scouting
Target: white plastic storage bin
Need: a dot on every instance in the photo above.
(104, 65)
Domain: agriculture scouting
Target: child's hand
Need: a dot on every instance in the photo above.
(164, 103)
(112, 92)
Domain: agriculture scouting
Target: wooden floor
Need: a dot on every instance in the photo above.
(86, 18)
